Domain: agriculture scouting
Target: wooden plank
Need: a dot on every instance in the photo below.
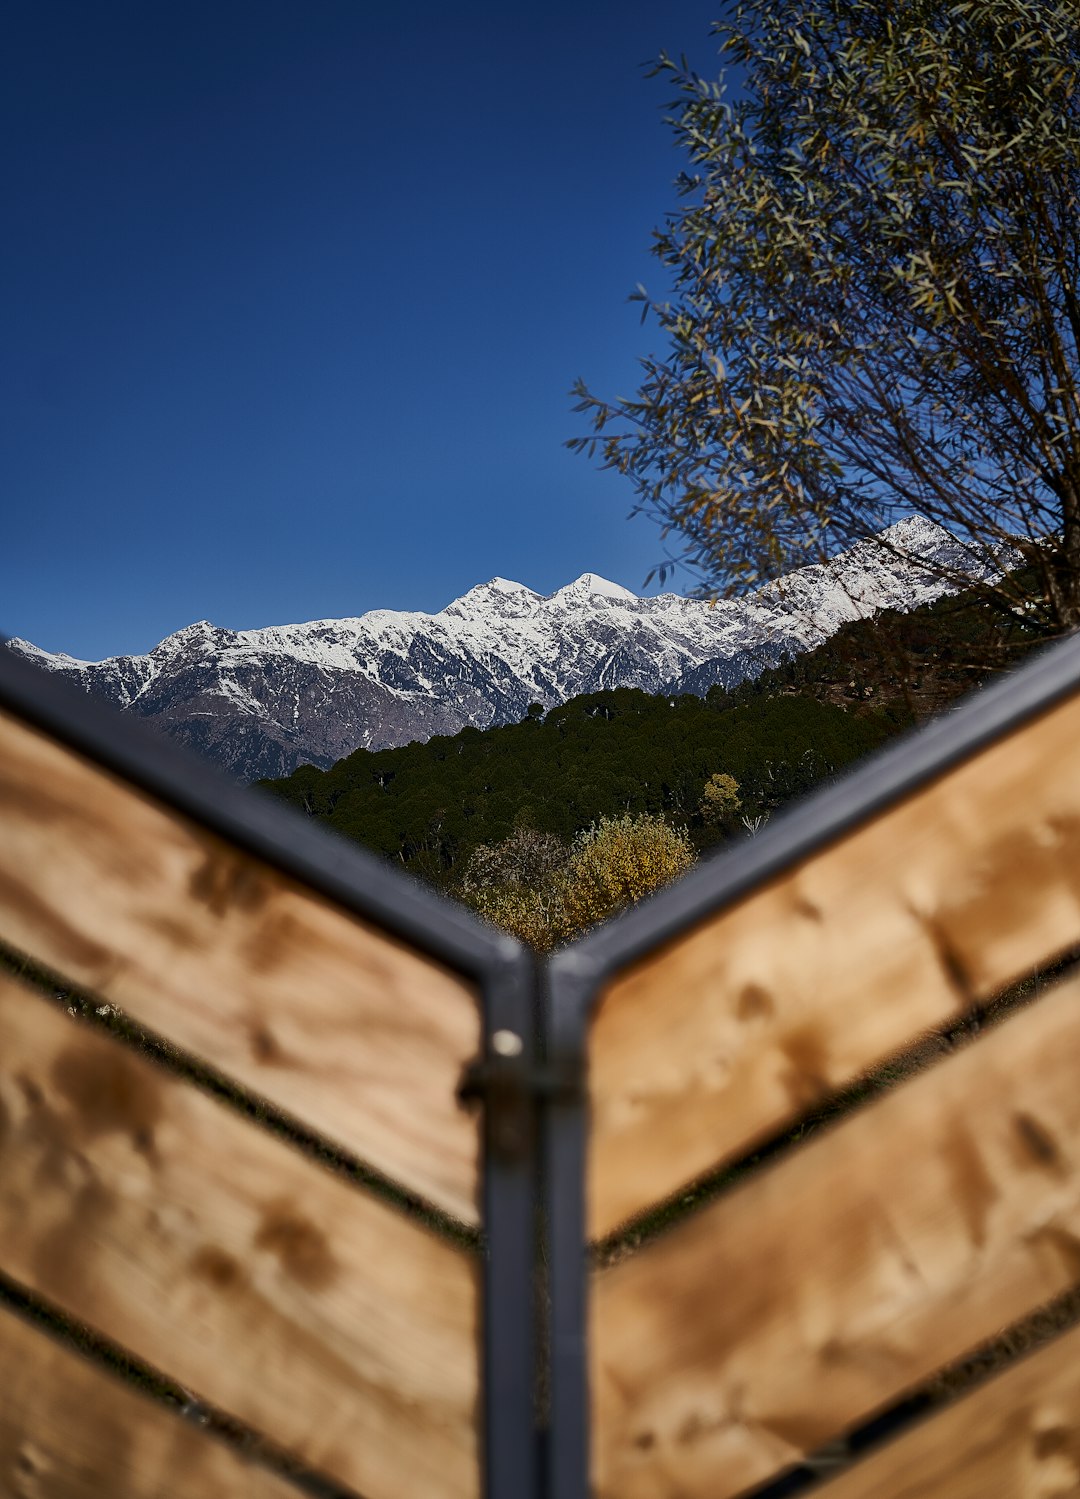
(717, 1039)
(249, 1273)
(328, 1018)
(70, 1430)
(1017, 1437)
(848, 1272)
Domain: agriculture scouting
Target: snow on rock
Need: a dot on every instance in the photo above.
(260, 702)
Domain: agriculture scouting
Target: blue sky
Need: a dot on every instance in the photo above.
(295, 293)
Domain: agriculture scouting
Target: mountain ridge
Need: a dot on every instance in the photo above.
(262, 701)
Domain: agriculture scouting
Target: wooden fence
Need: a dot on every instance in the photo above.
(271, 1198)
(255, 1177)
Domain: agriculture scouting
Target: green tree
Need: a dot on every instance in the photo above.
(875, 308)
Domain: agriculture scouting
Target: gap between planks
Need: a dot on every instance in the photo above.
(69, 1428)
(335, 1022)
(846, 1273)
(718, 1039)
(264, 1283)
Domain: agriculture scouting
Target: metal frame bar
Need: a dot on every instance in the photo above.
(577, 975)
(509, 1195)
(567, 1005)
(365, 886)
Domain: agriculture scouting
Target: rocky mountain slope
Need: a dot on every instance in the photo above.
(260, 702)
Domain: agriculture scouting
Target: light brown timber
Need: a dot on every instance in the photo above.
(1017, 1437)
(880, 1251)
(70, 1430)
(717, 1039)
(271, 1287)
(329, 1018)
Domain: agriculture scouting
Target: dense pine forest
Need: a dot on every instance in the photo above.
(431, 805)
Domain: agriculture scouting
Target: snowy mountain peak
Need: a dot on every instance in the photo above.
(500, 594)
(591, 585)
(262, 701)
(506, 585)
(201, 636)
(54, 659)
(915, 534)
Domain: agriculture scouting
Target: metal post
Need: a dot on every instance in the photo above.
(501, 1080)
(564, 1017)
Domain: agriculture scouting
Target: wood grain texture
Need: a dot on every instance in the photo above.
(719, 1038)
(885, 1248)
(69, 1430)
(219, 1254)
(1017, 1437)
(328, 1018)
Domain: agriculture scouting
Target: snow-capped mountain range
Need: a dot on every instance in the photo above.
(261, 702)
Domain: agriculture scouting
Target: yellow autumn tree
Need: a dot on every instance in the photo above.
(619, 860)
(534, 888)
(535, 916)
(520, 885)
(720, 800)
